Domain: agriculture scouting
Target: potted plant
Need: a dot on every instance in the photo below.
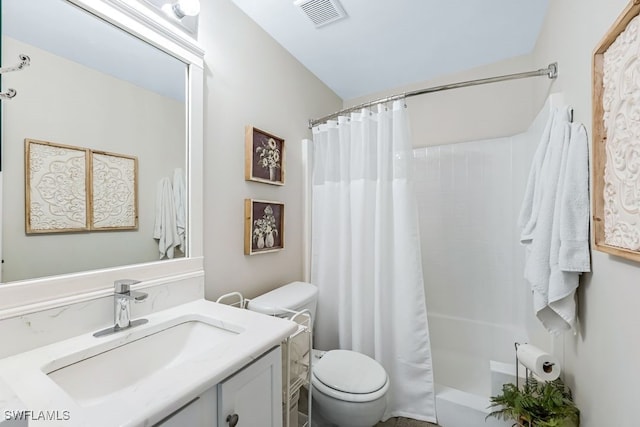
(537, 404)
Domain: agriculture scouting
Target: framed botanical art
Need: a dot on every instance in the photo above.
(114, 191)
(616, 159)
(56, 185)
(264, 157)
(263, 226)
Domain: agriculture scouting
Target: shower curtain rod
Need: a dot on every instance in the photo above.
(551, 72)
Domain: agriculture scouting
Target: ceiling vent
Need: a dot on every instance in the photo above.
(321, 12)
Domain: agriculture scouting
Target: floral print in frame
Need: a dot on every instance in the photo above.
(264, 226)
(264, 157)
(56, 188)
(71, 189)
(615, 226)
(114, 198)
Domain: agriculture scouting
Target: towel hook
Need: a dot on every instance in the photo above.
(24, 62)
(10, 93)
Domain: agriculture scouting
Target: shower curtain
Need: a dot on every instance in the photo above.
(365, 252)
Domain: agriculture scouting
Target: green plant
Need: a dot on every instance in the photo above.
(537, 404)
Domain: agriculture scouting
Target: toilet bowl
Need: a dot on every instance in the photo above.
(349, 388)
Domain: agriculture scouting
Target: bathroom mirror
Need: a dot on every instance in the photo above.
(92, 85)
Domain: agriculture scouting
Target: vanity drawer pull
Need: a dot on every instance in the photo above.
(233, 420)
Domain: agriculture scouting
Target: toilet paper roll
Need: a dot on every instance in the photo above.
(544, 365)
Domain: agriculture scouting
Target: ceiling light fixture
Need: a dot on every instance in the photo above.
(183, 8)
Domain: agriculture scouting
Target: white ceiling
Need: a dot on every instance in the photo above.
(384, 44)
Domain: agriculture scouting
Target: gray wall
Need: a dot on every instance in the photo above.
(601, 362)
(251, 80)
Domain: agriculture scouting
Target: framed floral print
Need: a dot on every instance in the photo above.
(264, 157)
(114, 191)
(56, 184)
(263, 227)
(615, 159)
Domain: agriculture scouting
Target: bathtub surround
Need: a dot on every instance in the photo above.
(469, 195)
(466, 194)
(365, 254)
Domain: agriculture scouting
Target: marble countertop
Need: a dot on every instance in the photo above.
(25, 385)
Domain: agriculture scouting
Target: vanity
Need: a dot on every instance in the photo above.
(187, 361)
(196, 364)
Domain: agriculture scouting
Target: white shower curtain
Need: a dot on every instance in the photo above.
(365, 252)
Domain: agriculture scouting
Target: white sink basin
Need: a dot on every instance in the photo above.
(94, 379)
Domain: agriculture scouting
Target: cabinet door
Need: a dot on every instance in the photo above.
(200, 412)
(253, 396)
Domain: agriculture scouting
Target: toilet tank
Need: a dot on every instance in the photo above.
(295, 296)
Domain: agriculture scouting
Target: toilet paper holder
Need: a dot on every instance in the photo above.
(546, 366)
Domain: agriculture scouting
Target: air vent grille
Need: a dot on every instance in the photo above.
(321, 12)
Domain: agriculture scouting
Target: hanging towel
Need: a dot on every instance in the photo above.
(570, 237)
(574, 216)
(561, 285)
(533, 192)
(165, 229)
(180, 201)
(540, 237)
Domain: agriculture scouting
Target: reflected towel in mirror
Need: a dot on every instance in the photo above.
(165, 228)
(179, 200)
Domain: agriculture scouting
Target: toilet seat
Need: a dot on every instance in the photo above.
(349, 376)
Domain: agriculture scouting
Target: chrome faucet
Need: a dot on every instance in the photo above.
(122, 297)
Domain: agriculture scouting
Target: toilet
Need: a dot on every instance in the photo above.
(349, 388)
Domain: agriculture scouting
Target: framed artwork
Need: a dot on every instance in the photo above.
(56, 187)
(616, 151)
(114, 191)
(263, 226)
(264, 157)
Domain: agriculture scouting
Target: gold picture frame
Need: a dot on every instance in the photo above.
(264, 157)
(263, 226)
(56, 187)
(616, 210)
(114, 191)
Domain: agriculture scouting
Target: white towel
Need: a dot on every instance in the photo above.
(180, 201)
(533, 192)
(165, 229)
(561, 285)
(575, 213)
(570, 237)
(544, 194)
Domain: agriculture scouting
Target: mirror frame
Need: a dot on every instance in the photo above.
(26, 296)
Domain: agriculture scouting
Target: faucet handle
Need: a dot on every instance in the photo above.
(123, 286)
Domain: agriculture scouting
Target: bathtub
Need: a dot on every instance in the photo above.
(458, 408)
(471, 362)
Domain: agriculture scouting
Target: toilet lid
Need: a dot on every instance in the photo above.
(350, 372)
(288, 297)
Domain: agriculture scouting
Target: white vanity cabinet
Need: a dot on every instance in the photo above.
(252, 397)
(202, 411)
